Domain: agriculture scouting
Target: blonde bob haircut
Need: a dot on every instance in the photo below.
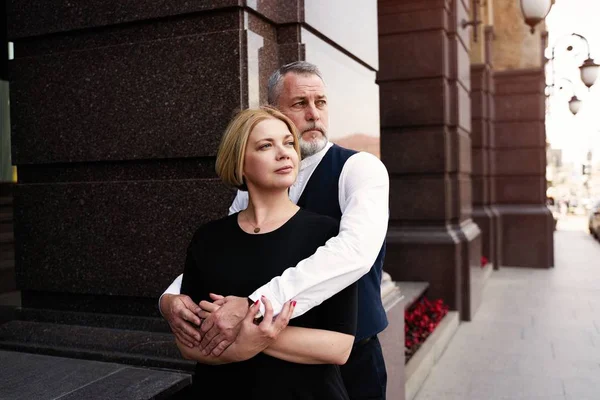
(232, 150)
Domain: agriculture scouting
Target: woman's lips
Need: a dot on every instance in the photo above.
(284, 170)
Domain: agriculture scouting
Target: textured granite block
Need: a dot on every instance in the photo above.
(163, 99)
(520, 107)
(520, 161)
(411, 198)
(404, 150)
(153, 349)
(527, 236)
(427, 254)
(523, 81)
(38, 17)
(92, 303)
(143, 31)
(94, 319)
(135, 170)
(520, 134)
(414, 103)
(31, 376)
(423, 64)
(113, 238)
(410, 16)
(132, 383)
(520, 189)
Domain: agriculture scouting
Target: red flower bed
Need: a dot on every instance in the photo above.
(419, 321)
(484, 261)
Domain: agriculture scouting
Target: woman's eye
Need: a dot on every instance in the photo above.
(265, 146)
(291, 143)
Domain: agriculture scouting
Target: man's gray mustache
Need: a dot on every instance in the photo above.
(315, 128)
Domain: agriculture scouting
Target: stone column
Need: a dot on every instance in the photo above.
(519, 179)
(483, 144)
(424, 80)
(520, 160)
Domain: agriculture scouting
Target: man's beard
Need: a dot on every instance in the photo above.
(309, 148)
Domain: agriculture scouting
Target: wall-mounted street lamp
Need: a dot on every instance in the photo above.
(588, 70)
(534, 11)
(574, 102)
(574, 105)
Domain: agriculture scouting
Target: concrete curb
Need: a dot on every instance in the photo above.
(422, 362)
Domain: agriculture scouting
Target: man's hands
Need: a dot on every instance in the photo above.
(181, 313)
(254, 338)
(222, 324)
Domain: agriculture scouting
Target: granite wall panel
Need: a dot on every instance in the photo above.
(117, 103)
(117, 238)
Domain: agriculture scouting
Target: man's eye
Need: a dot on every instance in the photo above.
(321, 103)
(299, 104)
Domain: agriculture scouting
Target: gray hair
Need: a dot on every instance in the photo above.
(276, 80)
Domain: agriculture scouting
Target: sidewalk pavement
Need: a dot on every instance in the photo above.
(536, 335)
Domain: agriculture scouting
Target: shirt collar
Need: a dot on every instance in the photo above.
(315, 158)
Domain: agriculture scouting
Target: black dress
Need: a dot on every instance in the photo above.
(224, 259)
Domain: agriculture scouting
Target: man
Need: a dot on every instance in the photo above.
(350, 186)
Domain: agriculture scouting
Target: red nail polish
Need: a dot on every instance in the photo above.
(256, 302)
(294, 303)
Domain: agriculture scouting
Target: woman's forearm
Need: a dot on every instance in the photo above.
(311, 346)
(194, 353)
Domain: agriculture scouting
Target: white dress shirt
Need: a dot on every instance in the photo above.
(344, 259)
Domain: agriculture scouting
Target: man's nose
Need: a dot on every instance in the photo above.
(312, 113)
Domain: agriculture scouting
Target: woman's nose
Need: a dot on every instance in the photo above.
(283, 152)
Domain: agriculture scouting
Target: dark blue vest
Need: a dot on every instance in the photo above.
(321, 196)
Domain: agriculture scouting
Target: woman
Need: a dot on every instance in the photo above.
(259, 152)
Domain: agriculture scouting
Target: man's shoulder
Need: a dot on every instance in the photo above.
(362, 159)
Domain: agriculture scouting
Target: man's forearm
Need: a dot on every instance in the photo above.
(174, 288)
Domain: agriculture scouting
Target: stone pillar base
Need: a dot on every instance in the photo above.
(488, 220)
(447, 257)
(527, 235)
